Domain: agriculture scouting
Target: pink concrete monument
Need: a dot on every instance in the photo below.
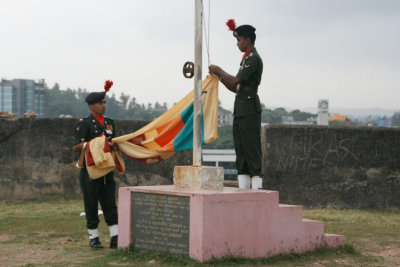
(206, 223)
(198, 217)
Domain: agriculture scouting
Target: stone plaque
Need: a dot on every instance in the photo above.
(160, 222)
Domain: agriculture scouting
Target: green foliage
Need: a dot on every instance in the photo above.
(72, 102)
(275, 116)
(396, 119)
(301, 116)
(225, 140)
(67, 102)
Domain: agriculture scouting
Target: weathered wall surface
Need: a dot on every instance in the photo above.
(313, 166)
(324, 166)
(36, 159)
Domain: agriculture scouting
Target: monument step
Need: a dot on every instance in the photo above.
(313, 225)
(313, 232)
(215, 223)
(294, 212)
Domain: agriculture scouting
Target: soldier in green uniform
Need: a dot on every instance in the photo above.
(247, 108)
(102, 189)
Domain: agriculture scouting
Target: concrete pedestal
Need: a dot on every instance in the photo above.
(201, 177)
(229, 222)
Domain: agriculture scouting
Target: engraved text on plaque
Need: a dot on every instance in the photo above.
(160, 222)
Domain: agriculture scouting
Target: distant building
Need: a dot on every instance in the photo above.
(323, 112)
(287, 120)
(338, 117)
(384, 123)
(20, 96)
(290, 121)
(224, 117)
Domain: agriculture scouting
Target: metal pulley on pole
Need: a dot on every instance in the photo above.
(197, 107)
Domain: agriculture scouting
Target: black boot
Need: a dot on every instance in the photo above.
(95, 243)
(114, 242)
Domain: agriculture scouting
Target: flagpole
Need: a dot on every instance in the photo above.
(198, 40)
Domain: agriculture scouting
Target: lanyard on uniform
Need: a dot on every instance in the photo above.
(245, 54)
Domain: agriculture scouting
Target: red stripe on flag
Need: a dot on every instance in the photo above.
(168, 131)
(118, 164)
(107, 148)
(137, 140)
(89, 157)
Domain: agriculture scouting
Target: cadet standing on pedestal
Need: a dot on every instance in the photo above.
(247, 108)
(101, 189)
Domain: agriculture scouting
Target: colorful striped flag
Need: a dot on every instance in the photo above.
(173, 130)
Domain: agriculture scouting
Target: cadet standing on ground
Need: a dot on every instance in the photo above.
(101, 189)
(247, 108)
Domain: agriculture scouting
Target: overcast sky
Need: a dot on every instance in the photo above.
(345, 50)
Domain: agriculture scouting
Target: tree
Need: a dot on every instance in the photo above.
(124, 100)
(266, 116)
(65, 102)
(73, 102)
(300, 116)
(396, 119)
(225, 140)
(277, 115)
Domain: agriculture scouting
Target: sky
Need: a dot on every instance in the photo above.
(347, 51)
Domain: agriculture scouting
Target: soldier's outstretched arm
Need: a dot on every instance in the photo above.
(231, 82)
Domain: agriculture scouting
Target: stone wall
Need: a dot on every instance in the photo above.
(315, 166)
(321, 166)
(36, 159)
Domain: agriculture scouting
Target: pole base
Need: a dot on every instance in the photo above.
(202, 177)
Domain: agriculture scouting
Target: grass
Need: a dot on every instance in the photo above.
(160, 259)
(48, 232)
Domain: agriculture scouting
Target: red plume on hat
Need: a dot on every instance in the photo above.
(108, 85)
(231, 24)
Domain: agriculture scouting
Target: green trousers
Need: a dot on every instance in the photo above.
(247, 140)
(99, 190)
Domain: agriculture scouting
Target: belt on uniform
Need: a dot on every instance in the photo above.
(247, 88)
(242, 94)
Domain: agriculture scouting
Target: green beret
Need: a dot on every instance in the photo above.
(245, 31)
(95, 97)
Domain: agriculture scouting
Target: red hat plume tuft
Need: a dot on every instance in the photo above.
(108, 85)
(231, 24)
